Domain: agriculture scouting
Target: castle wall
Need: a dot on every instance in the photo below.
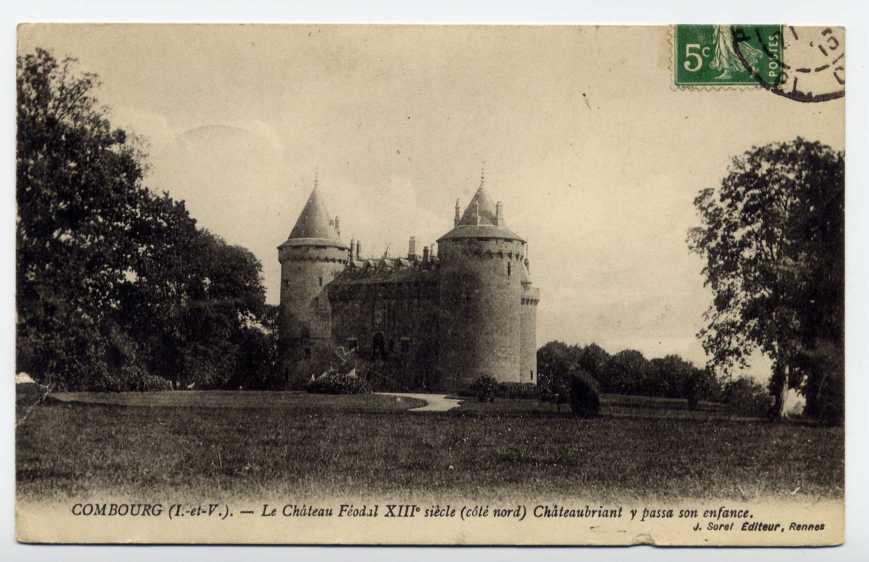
(305, 316)
(480, 290)
(390, 320)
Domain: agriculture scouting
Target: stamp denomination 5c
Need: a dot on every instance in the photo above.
(706, 55)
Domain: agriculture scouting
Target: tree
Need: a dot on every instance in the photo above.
(669, 376)
(624, 372)
(592, 359)
(553, 361)
(78, 184)
(117, 287)
(772, 237)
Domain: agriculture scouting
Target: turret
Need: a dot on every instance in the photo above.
(310, 258)
(481, 286)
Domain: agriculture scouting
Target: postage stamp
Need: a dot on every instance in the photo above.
(706, 55)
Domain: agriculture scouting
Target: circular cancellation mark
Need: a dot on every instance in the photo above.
(812, 60)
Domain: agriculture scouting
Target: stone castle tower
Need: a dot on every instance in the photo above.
(311, 258)
(440, 320)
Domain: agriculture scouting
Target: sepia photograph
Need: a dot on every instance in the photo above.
(430, 284)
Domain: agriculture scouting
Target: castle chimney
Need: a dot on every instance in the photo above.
(499, 214)
(358, 249)
(425, 254)
(411, 248)
(352, 248)
(338, 226)
(458, 214)
(477, 211)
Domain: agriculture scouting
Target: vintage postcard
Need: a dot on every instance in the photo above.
(435, 285)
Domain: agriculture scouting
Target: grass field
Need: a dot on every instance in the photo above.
(301, 445)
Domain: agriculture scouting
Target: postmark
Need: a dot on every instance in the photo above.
(812, 60)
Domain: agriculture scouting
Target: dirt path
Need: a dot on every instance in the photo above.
(434, 402)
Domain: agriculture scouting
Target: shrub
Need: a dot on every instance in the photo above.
(746, 396)
(148, 382)
(830, 408)
(824, 387)
(555, 388)
(584, 394)
(485, 388)
(524, 390)
(332, 382)
(386, 376)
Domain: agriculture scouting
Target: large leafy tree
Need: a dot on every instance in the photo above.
(78, 187)
(772, 237)
(116, 284)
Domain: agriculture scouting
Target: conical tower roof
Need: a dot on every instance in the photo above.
(480, 211)
(480, 220)
(315, 220)
(315, 226)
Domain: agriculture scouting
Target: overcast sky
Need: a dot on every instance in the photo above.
(594, 154)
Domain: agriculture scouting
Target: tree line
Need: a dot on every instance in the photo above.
(630, 372)
(117, 286)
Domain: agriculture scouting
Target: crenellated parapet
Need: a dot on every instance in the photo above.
(530, 296)
(328, 251)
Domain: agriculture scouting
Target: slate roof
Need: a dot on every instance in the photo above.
(315, 226)
(470, 227)
(315, 220)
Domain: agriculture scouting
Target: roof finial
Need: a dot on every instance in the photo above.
(483, 173)
(316, 176)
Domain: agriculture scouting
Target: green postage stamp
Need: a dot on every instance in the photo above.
(725, 55)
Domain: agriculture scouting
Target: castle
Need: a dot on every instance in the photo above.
(441, 318)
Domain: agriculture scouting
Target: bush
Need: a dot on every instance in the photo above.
(146, 383)
(554, 388)
(830, 408)
(333, 382)
(522, 390)
(584, 394)
(747, 397)
(824, 387)
(386, 376)
(485, 388)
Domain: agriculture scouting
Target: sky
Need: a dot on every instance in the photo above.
(594, 153)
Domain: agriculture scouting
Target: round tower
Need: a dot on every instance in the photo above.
(310, 258)
(480, 296)
(528, 326)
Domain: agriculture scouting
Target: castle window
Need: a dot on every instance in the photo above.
(509, 269)
(532, 374)
(352, 344)
(321, 281)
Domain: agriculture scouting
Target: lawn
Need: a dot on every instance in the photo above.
(294, 444)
